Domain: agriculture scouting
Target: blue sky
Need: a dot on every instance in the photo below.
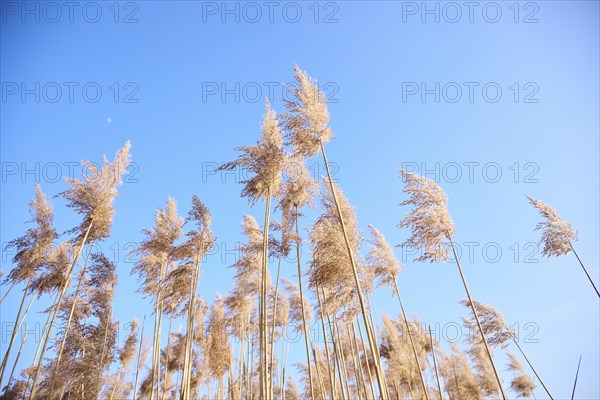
(185, 81)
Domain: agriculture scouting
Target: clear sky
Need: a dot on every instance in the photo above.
(492, 100)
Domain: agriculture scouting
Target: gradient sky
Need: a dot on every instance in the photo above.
(185, 81)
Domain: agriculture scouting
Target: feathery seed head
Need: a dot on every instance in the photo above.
(430, 222)
(307, 119)
(494, 326)
(330, 268)
(93, 196)
(521, 384)
(33, 249)
(264, 161)
(557, 234)
(381, 259)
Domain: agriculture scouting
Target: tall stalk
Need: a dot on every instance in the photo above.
(584, 269)
(332, 387)
(100, 365)
(45, 331)
(476, 315)
(437, 375)
(137, 366)
(576, 376)
(69, 320)
(187, 370)
(364, 348)
(310, 379)
(263, 322)
(531, 366)
(57, 308)
(368, 328)
(14, 332)
(412, 343)
(352, 332)
(12, 371)
(155, 369)
(274, 319)
(8, 291)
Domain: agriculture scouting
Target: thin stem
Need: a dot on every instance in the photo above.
(14, 332)
(310, 379)
(437, 375)
(331, 376)
(531, 366)
(56, 309)
(12, 372)
(358, 360)
(412, 343)
(476, 315)
(576, 376)
(45, 331)
(369, 329)
(137, 367)
(8, 291)
(100, 365)
(70, 319)
(585, 270)
(273, 327)
(167, 355)
(364, 347)
(263, 318)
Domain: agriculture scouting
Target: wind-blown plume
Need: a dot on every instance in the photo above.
(293, 293)
(557, 234)
(495, 328)
(429, 221)
(93, 196)
(219, 351)
(330, 268)
(381, 259)
(521, 384)
(33, 249)
(307, 119)
(265, 161)
(459, 381)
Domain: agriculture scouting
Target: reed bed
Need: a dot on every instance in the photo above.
(237, 347)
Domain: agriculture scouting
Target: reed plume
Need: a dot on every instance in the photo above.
(34, 247)
(219, 351)
(521, 384)
(330, 267)
(308, 117)
(557, 235)
(93, 196)
(459, 381)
